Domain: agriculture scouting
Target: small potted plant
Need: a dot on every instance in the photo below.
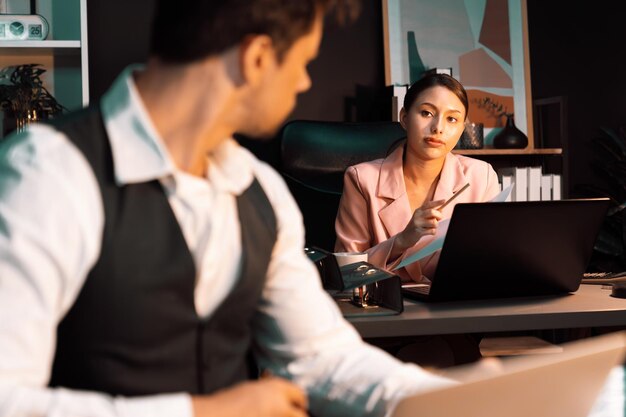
(23, 97)
(608, 160)
(510, 137)
(497, 110)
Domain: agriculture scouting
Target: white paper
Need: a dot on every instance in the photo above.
(429, 249)
(442, 229)
(503, 195)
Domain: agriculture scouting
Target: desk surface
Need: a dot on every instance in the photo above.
(590, 306)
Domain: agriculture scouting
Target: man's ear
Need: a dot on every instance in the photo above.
(403, 116)
(256, 56)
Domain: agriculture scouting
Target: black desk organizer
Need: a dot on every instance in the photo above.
(383, 287)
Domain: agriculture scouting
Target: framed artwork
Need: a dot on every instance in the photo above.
(484, 42)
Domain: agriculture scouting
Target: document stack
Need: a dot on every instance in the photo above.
(530, 184)
(397, 101)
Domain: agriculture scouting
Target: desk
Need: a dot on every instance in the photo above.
(590, 306)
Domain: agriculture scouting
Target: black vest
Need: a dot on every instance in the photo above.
(133, 329)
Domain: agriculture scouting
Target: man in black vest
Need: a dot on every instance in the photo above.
(145, 253)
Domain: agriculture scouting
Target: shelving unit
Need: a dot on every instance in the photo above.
(63, 53)
(493, 151)
(552, 160)
(546, 147)
(51, 45)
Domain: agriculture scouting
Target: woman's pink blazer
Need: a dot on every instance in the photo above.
(374, 207)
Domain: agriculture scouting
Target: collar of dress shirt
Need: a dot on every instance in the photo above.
(139, 153)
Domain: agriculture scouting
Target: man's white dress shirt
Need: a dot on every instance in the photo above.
(51, 223)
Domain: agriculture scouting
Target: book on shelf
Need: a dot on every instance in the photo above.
(556, 186)
(520, 182)
(546, 187)
(530, 183)
(534, 183)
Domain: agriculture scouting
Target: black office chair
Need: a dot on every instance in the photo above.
(313, 158)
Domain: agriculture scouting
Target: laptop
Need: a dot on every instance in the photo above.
(515, 249)
(564, 384)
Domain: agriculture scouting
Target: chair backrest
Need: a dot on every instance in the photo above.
(313, 158)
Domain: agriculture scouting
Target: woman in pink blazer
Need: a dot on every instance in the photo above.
(389, 207)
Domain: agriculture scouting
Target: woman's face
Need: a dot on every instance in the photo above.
(434, 123)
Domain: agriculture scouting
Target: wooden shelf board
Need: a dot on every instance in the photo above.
(492, 151)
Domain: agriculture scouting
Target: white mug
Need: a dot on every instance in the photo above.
(346, 258)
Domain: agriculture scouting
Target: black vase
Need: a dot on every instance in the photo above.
(510, 137)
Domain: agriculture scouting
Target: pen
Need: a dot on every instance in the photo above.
(455, 195)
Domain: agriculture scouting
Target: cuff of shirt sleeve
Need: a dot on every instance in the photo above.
(166, 405)
(423, 380)
(410, 380)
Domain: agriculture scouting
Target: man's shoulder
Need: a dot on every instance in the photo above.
(270, 179)
(37, 142)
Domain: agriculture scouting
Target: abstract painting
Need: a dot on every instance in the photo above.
(484, 42)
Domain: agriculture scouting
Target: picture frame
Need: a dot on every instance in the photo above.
(485, 42)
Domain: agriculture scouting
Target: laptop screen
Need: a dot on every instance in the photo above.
(517, 249)
(549, 385)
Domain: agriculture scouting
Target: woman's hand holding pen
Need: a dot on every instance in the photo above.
(423, 222)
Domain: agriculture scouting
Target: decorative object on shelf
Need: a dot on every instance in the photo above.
(472, 137)
(491, 106)
(510, 137)
(23, 97)
(23, 27)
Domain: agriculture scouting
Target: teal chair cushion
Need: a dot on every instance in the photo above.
(313, 158)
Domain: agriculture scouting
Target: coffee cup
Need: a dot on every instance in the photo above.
(362, 295)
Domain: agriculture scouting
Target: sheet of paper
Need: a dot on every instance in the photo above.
(503, 195)
(440, 236)
(432, 247)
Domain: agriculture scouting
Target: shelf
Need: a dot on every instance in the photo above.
(64, 54)
(20, 47)
(492, 151)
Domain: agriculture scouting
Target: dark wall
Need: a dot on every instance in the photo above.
(576, 51)
(349, 55)
(118, 34)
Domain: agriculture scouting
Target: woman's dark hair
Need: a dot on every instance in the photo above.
(189, 30)
(436, 80)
